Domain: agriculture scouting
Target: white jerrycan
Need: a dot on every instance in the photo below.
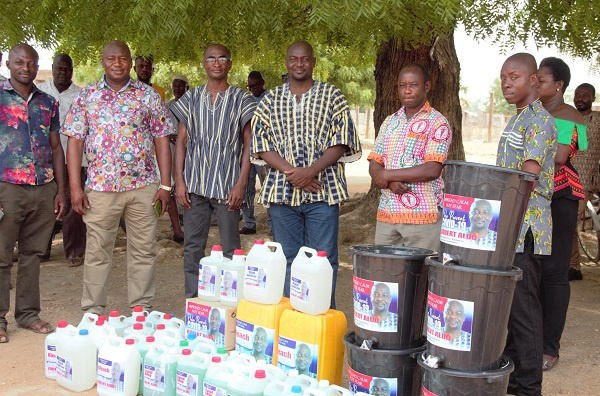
(135, 313)
(209, 275)
(310, 282)
(337, 391)
(264, 275)
(88, 321)
(52, 339)
(232, 279)
(117, 322)
(118, 370)
(172, 322)
(76, 362)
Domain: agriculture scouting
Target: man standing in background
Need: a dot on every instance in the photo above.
(586, 162)
(62, 88)
(144, 68)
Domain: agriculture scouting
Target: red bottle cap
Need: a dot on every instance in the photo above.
(217, 248)
(216, 359)
(138, 308)
(238, 252)
(260, 374)
(138, 326)
(259, 242)
(167, 316)
(160, 326)
(141, 318)
(150, 339)
(62, 324)
(322, 253)
(186, 352)
(129, 341)
(113, 314)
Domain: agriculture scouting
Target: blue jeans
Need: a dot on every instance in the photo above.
(314, 225)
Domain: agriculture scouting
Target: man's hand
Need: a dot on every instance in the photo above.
(60, 203)
(398, 188)
(313, 187)
(379, 177)
(165, 197)
(301, 177)
(79, 201)
(181, 194)
(235, 199)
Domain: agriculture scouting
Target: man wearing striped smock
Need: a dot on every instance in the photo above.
(304, 133)
(212, 163)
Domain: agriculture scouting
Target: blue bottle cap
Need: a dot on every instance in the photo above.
(191, 336)
(83, 332)
(296, 389)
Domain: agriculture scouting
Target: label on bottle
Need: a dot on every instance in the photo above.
(64, 368)
(110, 376)
(293, 354)
(358, 382)
(211, 390)
(206, 280)
(154, 378)
(299, 289)
(254, 340)
(51, 360)
(255, 277)
(229, 282)
(187, 384)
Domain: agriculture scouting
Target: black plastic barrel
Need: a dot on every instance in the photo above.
(401, 272)
(447, 382)
(504, 190)
(393, 369)
(484, 296)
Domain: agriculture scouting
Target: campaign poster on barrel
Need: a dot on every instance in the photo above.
(375, 305)
(449, 322)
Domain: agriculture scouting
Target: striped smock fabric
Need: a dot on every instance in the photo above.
(214, 138)
(301, 131)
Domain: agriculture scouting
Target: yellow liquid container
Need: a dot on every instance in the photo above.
(312, 344)
(257, 328)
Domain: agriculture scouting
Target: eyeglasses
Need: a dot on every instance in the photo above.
(211, 61)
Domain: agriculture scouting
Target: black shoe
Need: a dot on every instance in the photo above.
(575, 274)
(247, 231)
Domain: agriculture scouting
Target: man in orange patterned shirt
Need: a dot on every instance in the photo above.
(406, 163)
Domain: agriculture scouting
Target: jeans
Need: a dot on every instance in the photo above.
(314, 225)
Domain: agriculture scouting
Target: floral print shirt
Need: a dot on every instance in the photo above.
(532, 135)
(25, 126)
(119, 129)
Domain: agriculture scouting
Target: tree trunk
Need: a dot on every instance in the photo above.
(441, 61)
(444, 70)
(368, 126)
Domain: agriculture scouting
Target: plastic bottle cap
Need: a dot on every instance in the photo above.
(259, 242)
(191, 336)
(129, 341)
(222, 351)
(216, 359)
(140, 318)
(138, 308)
(217, 248)
(186, 352)
(296, 389)
(114, 314)
(98, 322)
(167, 316)
(160, 326)
(238, 252)
(138, 326)
(183, 343)
(322, 253)
(323, 383)
(83, 332)
(260, 374)
(150, 339)
(102, 317)
(62, 324)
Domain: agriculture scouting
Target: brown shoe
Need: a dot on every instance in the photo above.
(75, 261)
(247, 231)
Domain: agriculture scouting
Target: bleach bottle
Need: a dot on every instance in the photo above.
(117, 322)
(191, 369)
(264, 274)
(118, 368)
(216, 377)
(62, 332)
(310, 282)
(252, 383)
(209, 275)
(232, 279)
(160, 371)
(76, 362)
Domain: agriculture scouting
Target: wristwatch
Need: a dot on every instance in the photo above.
(166, 188)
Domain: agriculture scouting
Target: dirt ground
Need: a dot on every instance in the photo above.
(578, 372)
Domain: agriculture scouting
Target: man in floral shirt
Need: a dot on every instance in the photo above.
(31, 185)
(122, 122)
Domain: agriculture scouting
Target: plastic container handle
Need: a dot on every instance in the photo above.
(276, 245)
(306, 249)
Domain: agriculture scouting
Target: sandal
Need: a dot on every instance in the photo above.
(549, 362)
(39, 326)
(3, 336)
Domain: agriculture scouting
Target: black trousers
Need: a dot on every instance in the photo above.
(524, 344)
(555, 291)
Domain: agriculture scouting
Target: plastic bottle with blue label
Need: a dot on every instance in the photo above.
(264, 275)
(76, 362)
(160, 371)
(191, 369)
(118, 369)
(209, 275)
(311, 282)
(117, 322)
(63, 331)
(232, 279)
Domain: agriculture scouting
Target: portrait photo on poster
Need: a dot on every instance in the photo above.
(375, 305)
(449, 322)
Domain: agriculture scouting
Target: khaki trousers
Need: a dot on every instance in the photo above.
(102, 221)
(426, 236)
